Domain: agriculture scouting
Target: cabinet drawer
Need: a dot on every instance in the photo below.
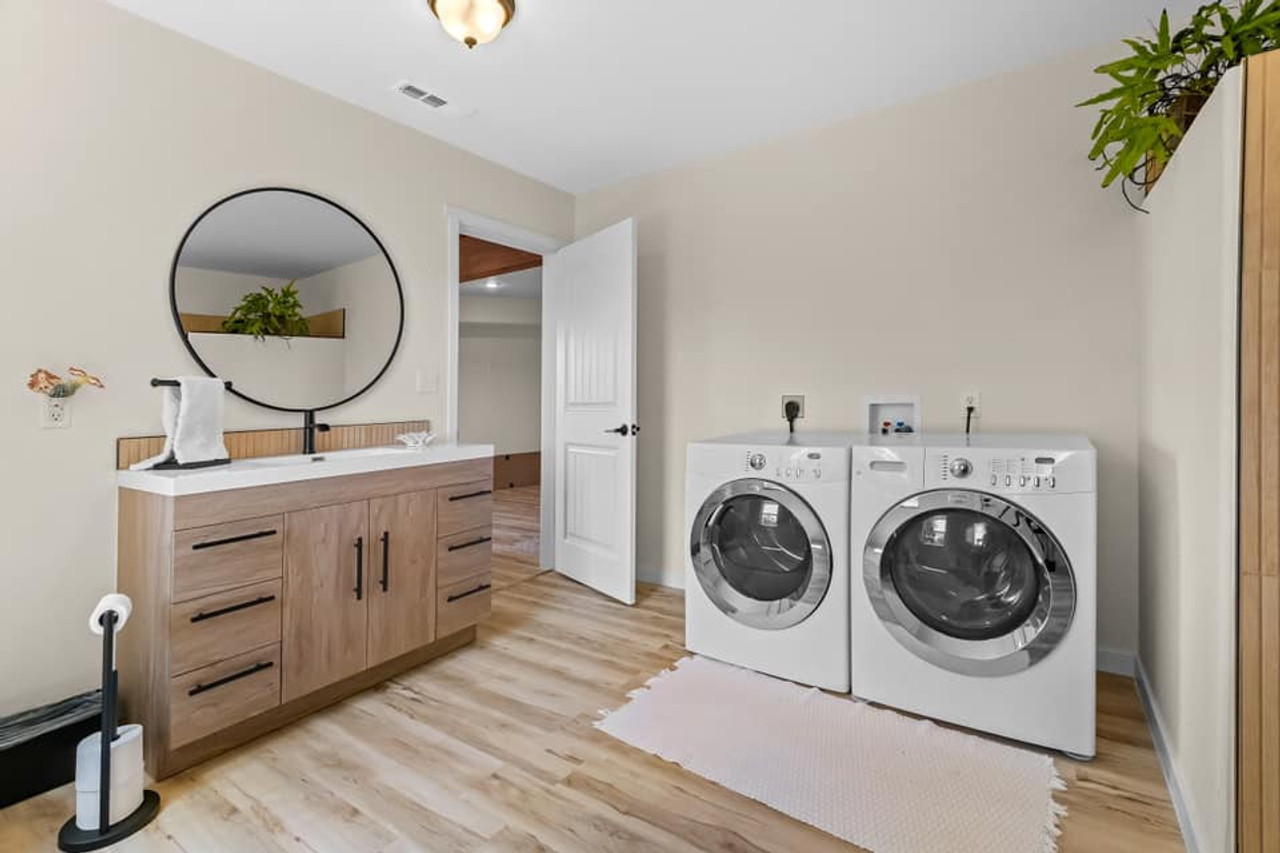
(222, 556)
(464, 555)
(213, 628)
(208, 700)
(464, 507)
(463, 604)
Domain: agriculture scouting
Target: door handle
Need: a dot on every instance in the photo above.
(386, 560)
(359, 568)
(622, 430)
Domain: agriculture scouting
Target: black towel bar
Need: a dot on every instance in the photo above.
(173, 383)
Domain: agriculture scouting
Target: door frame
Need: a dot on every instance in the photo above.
(464, 222)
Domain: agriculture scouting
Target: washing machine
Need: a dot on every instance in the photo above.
(975, 593)
(767, 563)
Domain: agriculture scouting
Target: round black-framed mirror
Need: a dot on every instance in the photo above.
(289, 296)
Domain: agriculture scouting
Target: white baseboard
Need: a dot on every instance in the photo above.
(1172, 778)
(1116, 662)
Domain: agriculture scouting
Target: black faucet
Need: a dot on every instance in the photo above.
(309, 428)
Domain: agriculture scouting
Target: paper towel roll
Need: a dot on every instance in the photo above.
(116, 601)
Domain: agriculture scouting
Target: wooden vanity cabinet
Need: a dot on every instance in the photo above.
(326, 619)
(253, 607)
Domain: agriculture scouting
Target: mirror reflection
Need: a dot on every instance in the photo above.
(289, 297)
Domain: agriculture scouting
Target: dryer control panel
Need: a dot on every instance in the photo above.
(795, 464)
(1011, 471)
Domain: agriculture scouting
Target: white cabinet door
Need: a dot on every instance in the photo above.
(590, 288)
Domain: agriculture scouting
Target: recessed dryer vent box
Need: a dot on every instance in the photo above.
(894, 408)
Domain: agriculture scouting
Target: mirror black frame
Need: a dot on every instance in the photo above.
(186, 341)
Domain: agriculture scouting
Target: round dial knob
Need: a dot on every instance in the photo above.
(961, 468)
(756, 461)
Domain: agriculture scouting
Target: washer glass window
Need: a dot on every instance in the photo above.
(761, 554)
(969, 582)
(963, 573)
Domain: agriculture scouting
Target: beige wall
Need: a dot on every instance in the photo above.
(955, 243)
(117, 135)
(500, 372)
(1187, 444)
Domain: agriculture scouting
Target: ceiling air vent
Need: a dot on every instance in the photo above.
(421, 95)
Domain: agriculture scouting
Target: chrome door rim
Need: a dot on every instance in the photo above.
(1017, 650)
(765, 615)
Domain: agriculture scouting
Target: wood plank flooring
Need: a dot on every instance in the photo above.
(516, 535)
(492, 749)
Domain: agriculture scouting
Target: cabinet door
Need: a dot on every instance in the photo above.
(402, 578)
(326, 588)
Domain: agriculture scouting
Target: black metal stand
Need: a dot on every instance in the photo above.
(71, 838)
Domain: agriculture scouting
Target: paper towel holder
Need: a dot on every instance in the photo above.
(72, 838)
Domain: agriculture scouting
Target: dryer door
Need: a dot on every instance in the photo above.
(969, 582)
(761, 554)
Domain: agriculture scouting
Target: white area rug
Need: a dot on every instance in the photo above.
(873, 777)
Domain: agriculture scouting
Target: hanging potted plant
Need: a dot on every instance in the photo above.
(1160, 87)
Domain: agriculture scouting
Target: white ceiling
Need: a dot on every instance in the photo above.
(526, 284)
(585, 93)
(283, 235)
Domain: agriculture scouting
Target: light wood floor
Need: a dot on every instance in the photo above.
(516, 535)
(492, 749)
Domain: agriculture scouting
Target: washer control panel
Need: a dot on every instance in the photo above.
(1011, 472)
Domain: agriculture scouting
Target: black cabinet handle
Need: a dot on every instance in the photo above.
(223, 611)
(471, 544)
(451, 599)
(235, 676)
(231, 540)
(622, 430)
(359, 568)
(469, 495)
(386, 560)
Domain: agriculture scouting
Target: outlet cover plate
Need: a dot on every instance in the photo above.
(787, 398)
(55, 413)
(972, 398)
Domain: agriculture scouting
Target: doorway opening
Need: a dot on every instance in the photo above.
(499, 383)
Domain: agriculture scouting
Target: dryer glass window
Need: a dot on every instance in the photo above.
(964, 573)
(761, 549)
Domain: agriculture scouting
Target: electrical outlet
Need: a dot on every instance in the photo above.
(973, 398)
(787, 398)
(55, 413)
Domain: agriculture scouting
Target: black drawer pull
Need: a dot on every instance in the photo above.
(235, 676)
(451, 599)
(231, 540)
(473, 543)
(359, 590)
(223, 611)
(468, 495)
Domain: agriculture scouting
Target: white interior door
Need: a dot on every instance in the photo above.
(589, 292)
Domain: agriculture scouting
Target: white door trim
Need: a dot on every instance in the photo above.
(486, 228)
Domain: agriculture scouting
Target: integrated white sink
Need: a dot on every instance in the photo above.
(245, 473)
(337, 455)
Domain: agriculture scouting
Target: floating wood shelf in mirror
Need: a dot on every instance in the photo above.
(290, 297)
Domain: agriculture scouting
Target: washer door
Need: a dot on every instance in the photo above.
(969, 582)
(761, 554)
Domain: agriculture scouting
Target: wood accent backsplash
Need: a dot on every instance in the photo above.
(256, 443)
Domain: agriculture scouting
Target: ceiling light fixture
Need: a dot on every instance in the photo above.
(473, 22)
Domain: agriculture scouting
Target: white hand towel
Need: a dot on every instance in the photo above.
(198, 435)
(191, 415)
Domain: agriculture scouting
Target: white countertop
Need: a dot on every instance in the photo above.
(267, 471)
